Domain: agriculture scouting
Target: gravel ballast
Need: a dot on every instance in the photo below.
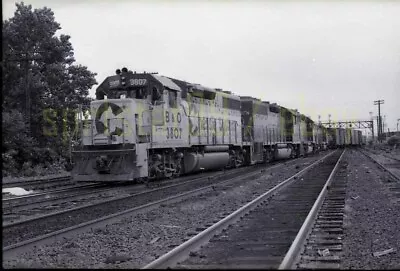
(372, 217)
(371, 225)
(136, 241)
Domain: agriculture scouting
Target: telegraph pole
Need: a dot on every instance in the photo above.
(379, 102)
(372, 124)
(383, 126)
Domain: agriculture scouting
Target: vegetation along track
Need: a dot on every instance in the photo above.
(22, 236)
(260, 233)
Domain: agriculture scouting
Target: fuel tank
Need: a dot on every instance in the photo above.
(220, 148)
(196, 162)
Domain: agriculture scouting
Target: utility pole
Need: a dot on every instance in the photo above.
(383, 127)
(379, 102)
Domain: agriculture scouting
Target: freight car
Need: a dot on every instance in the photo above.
(150, 126)
(336, 137)
(356, 138)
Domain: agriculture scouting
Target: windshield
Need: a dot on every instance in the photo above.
(135, 93)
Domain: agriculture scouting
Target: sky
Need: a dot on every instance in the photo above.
(327, 57)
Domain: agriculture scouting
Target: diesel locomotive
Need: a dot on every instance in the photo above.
(148, 126)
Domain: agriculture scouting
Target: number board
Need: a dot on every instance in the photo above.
(137, 82)
(113, 83)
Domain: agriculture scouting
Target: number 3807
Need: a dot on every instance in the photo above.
(137, 82)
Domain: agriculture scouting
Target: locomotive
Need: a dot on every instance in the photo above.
(148, 126)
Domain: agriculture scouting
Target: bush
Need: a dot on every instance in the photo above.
(393, 140)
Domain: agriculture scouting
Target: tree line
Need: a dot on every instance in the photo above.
(39, 75)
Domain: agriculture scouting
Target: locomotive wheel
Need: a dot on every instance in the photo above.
(239, 160)
(293, 153)
(268, 157)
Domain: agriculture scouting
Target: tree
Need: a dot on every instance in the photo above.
(37, 59)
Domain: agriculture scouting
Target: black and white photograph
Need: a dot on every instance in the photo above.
(226, 134)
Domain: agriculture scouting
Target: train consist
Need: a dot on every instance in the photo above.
(340, 137)
(147, 126)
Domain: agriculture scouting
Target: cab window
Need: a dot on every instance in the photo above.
(172, 99)
(156, 94)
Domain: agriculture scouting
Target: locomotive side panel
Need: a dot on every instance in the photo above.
(296, 129)
(214, 119)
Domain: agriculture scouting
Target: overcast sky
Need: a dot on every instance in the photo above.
(321, 58)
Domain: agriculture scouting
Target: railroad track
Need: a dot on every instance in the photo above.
(21, 207)
(46, 202)
(20, 237)
(382, 166)
(261, 231)
(319, 243)
(389, 178)
(45, 227)
(40, 183)
(12, 200)
(383, 152)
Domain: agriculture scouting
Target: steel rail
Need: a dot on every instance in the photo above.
(180, 252)
(298, 242)
(23, 246)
